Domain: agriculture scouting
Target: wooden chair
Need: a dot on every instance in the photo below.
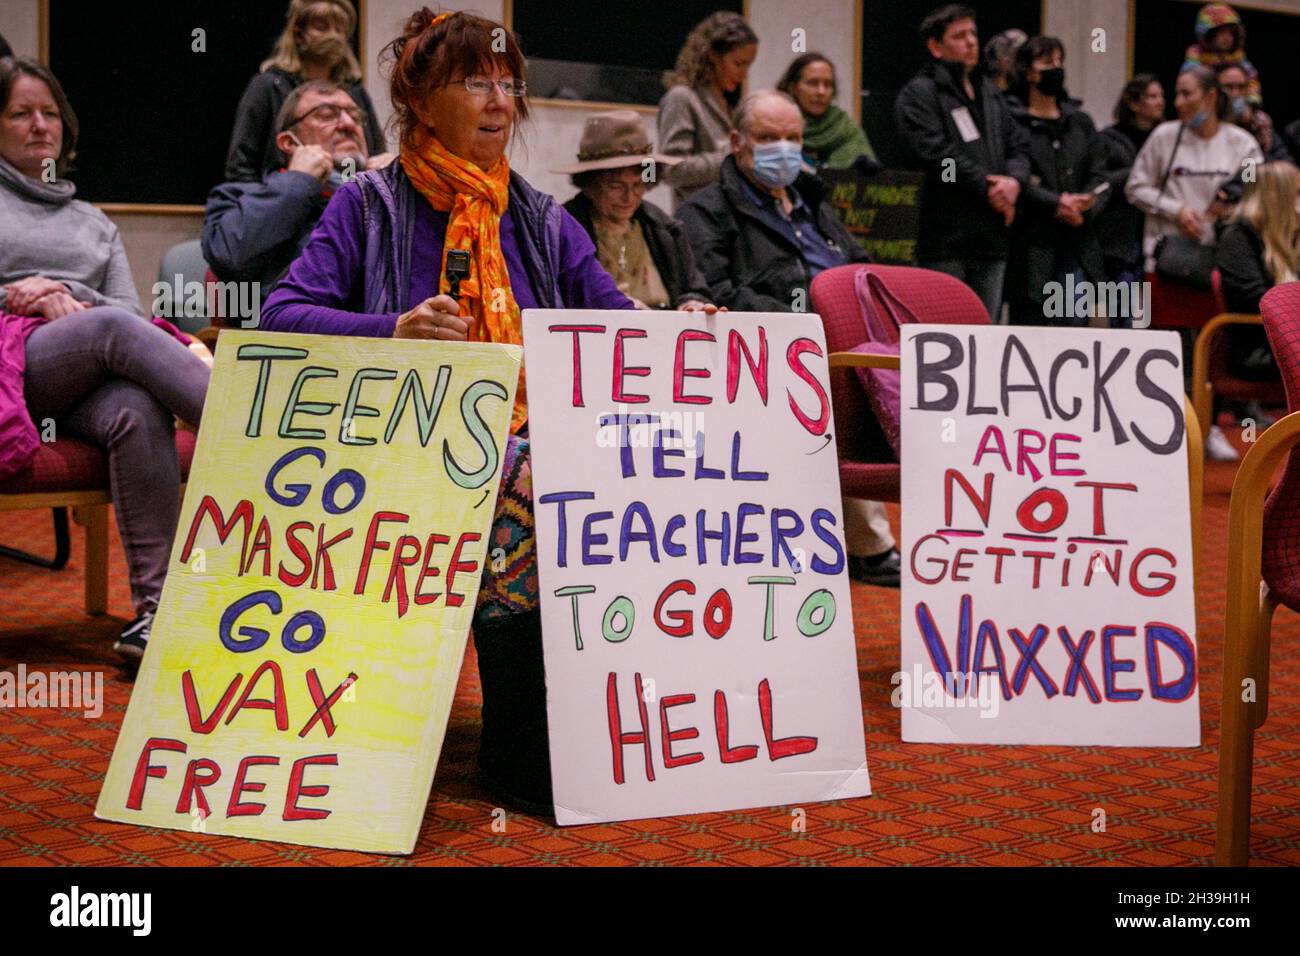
(1212, 367)
(70, 473)
(1263, 572)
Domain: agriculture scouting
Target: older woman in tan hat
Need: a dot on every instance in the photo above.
(643, 248)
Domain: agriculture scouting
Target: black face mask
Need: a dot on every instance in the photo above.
(1052, 82)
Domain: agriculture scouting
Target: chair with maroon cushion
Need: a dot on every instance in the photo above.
(1212, 364)
(69, 473)
(868, 467)
(1263, 572)
(1175, 305)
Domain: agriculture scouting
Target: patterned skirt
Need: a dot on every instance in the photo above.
(510, 565)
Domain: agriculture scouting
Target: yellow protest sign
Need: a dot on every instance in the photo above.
(303, 661)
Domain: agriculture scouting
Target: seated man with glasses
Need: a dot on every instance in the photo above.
(253, 231)
(760, 234)
(642, 247)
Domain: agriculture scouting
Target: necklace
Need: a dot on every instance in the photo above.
(609, 236)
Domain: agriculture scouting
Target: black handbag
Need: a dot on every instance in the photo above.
(1178, 258)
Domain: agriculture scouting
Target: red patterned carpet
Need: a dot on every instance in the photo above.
(933, 804)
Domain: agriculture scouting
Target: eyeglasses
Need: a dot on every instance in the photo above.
(329, 113)
(482, 86)
(625, 190)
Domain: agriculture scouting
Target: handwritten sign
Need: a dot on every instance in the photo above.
(883, 211)
(697, 627)
(1047, 591)
(326, 565)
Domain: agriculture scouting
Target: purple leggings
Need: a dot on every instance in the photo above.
(116, 380)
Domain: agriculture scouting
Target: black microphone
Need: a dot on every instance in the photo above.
(458, 267)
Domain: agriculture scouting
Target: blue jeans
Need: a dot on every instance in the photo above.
(116, 380)
(983, 276)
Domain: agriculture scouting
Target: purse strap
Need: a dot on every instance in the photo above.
(1164, 180)
(883, 311)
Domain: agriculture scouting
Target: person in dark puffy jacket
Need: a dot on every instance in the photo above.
(955, 124)
(764, 230)
(1054, 236)
(760, 235)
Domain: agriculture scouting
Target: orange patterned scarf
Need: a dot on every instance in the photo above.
(476, 199)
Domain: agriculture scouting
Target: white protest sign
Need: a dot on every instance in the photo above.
(1047, 585)
(697, 626)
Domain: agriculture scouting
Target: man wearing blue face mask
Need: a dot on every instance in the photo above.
(253, 231)
(759, 236)
(762, 231)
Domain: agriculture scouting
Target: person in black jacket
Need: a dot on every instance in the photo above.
(252, 232)
(763, 231)
(1258, 248)
(1141, 107)
(642, 247)
(314, 46)
(956, 126)
(1053, 238)
(760, 234)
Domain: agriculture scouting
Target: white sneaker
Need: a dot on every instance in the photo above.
(131, 645)
(1217, 446)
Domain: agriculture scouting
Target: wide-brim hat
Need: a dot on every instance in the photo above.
(613, 140)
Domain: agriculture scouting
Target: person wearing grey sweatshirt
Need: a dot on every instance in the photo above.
(1178, 174)
(77, 350)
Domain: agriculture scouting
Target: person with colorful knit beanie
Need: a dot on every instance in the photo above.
(1220, 43)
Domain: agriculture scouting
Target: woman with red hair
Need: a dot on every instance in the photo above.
(375, 266)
